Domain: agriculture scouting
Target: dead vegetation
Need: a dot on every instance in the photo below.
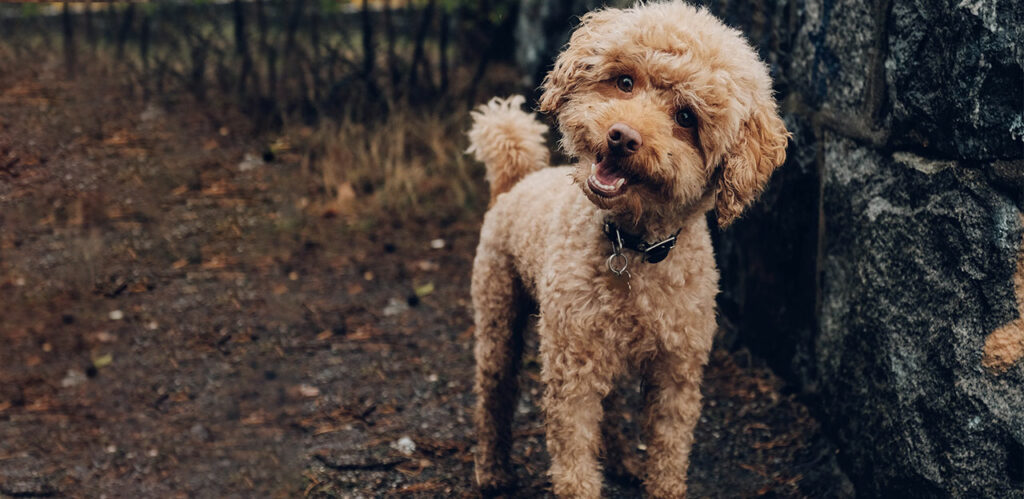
(407, 164)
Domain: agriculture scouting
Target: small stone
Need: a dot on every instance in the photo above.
(199, 432)
(432, 378)
(116, 315)
(308, 391)
(105, 337)
(437, 243)
(152, 112)
(405, 445)
(395, 307)
(74, 377)
(110, 449)
(250, 162)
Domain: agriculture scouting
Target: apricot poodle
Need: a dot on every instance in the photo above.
(670, 114)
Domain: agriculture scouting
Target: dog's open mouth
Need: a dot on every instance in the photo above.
(606, 178)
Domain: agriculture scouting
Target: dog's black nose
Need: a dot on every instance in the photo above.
(623, 140)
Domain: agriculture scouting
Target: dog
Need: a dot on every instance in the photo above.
(670, 115)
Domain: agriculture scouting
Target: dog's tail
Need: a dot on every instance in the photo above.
(508, 141)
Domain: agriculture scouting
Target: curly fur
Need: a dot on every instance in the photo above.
(508, 141)
(541, 243)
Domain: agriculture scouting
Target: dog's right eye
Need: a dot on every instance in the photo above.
(625, 83)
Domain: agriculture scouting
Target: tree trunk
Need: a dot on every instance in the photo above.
(419, 50)
(144, 45)
(443, 50)
(124, 29)
(389, 33)
(268, 51)
(242, 48)
(314, 62)
(90, 29)
(69, 42)
(291, 33)
(368, 50)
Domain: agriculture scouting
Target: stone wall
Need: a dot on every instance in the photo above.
(878, 272)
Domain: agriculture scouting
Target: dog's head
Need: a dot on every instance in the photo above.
(665, 106)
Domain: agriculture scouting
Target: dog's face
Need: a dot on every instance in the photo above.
(665, 106)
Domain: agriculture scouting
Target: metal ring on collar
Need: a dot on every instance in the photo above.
(612, 263)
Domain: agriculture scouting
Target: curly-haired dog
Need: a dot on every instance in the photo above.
(670, 114)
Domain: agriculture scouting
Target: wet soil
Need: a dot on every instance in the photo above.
(176, 320)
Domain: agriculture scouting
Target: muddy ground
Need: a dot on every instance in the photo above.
(176, 320)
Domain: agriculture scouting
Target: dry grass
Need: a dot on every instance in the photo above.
(408, 164)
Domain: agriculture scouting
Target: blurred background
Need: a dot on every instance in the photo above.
(236, 236)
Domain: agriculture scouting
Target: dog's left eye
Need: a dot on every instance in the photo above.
(685, 118)
(625, 83)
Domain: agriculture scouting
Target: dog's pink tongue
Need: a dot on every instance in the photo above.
(605, 174)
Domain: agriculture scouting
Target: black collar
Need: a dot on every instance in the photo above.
(652, 252)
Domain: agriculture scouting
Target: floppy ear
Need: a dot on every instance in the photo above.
(557, 82)
(761, 149)
(576, 64)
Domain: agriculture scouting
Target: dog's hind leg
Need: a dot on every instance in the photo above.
(501, 311)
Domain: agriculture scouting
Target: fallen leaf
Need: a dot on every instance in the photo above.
(255, 418)
(425, 289)
(102, 361)
(105, 337)
(363, 332)
(119, 138)
(215, 262)
(280, 145)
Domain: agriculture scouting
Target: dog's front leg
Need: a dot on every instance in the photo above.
(673, 407)
(572, 408)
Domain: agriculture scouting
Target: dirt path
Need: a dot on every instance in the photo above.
(175, 326)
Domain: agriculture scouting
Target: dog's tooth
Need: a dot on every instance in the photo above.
(593, 168)
(619, 182)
